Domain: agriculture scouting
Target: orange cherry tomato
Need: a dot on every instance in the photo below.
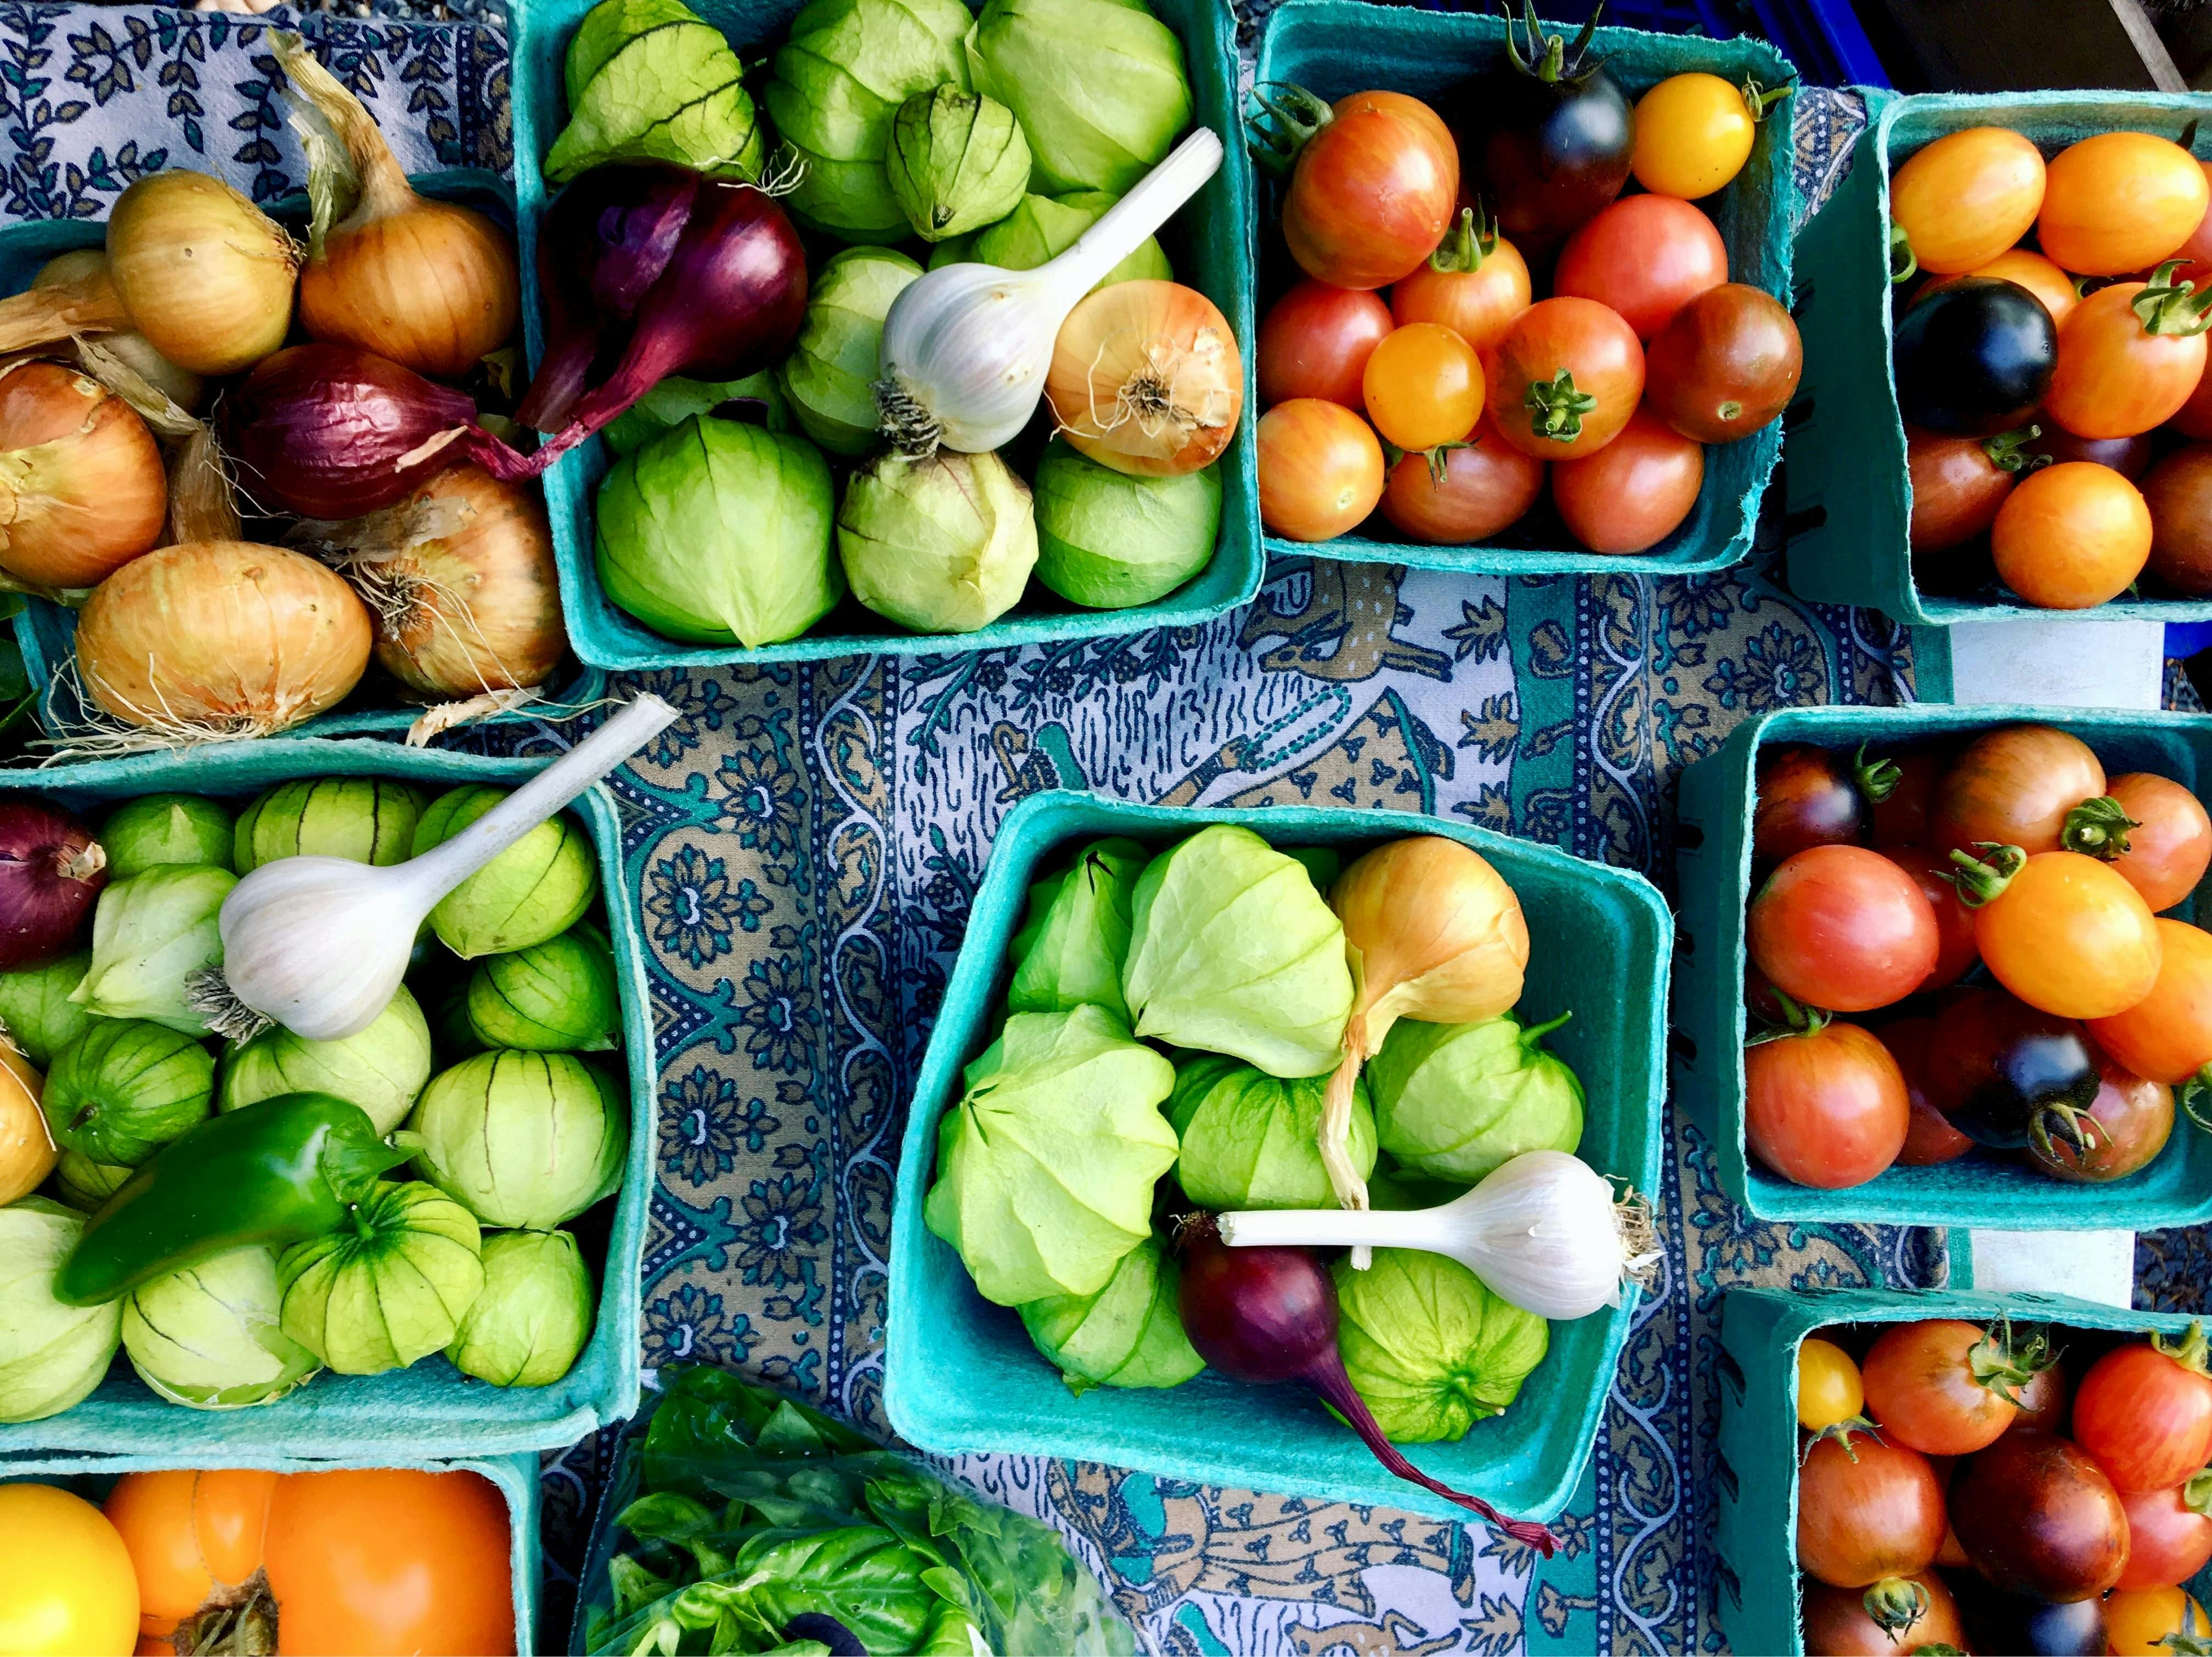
(1827, 1109)
(2120, 202)
(1320, 469)
(1569, 373)
(190, 1532)
(2167, 1036)
(1646, 257)
(1487, 485)
(1635, 492)
(2116, 376)
(2150, 1622)
(1476, 283)
(1314, 342)
(1693, 134)
(2171, 844)
(2071, 536)
(1372, 190)
(2068, 936)
(1423, 386)
(1968, 197)
(377, 1561)
(2026, 268)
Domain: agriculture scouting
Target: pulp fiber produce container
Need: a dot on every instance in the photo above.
(960, 1373)
(45, 633)
(1206, 241)
(1759, 1592)
(515, 1476)
(1713, 859)
(1851, 500)
(429, 1408)
(1338, 48)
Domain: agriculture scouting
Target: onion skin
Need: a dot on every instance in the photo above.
(180, 385)
(52, 871)
(216, 639)
(28, 1153)
(205, 275)
(82, 488)
(1146, 378)
(435, 287)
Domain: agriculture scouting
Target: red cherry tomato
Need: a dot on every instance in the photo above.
(1320, 469)
(2013, 786)
(1866, 1510)
(2145, 1411)
(2169, 1535)
(1646, 257)
(1826, 1109)
(2116, 376)
(1843, 928)
(1899, 1614)
(2130, 1121)
(2038, 1517)
(2171, 844)
(1487, 486)
(1942, 1387)
(2167, 1036)
(1929, 1138)
(1568, 377)
(1637, 490)
(1372, 192)
(2066, 935)
(1726, 364)
(1315, 341)
(1958, 485)
(1956, 952)
(1807, 797)
(1475, 284)
(2071, 536)
(2120, 202)
(2179, 494)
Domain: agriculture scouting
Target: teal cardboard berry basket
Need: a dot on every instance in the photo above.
(959, 1373)
(1337, 47)
(1713, 857)
(45, 633)
(429, 1408)
(1759, 1592)
(515, 1476)
(1207, 242)
(1851, 500)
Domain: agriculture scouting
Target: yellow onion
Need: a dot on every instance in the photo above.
(82, 487)
(203, 273)
(460, 577)
(1146, 378)
(1433, 932)
(213, 640)
(27, 1148)
(430, 284)
(180, 385)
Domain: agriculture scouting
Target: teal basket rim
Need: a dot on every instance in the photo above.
(908, 1346)
(472, 1418)
(1335, 20)
(617, 641)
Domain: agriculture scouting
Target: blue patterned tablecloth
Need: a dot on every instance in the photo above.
(803, 844)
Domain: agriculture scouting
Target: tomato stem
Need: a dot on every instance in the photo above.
(2008, 451)
(2190, 1351)
(1288, 119)
(1556, 408)
(1465, 245)
(1981, 880)
(2057, 1121)
(1842, 1432)
(1548, 56)
(1895, 1604)
(2191, 1095)
(1877, 778)
(1996, 1363)
(1438, 466)
(2099, 829)
(1901, 244)
(2170, 309)
(1758, 101)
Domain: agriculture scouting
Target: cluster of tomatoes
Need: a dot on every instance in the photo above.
(2014, 859)
(1644, 351)
(1958, 1492)
(2054, 396)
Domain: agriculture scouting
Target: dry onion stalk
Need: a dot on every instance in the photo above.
(1146, 379)
(460, 577)
(430, 284)
(82, 487)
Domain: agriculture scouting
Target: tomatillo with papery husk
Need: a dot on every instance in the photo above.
(1146, 378)
(212, 640)
(82, 490)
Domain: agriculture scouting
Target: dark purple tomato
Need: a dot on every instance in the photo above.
(1807, 797)
(1975, 359)
(2014, 1624)
(2038, 1517)
(2008, 1075)
(1558, 135)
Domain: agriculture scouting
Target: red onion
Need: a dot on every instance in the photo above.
(332, 431)
(50, 871)
(729, 303)
(1270, 1315)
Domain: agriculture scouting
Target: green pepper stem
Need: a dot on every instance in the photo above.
(1982, 880)
(2098, 828)
(1556, 408)
(1877, 778)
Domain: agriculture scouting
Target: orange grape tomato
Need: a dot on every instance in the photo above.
(1568, 374)
(1423, 386)
(2068, 936)
(2171, 844)
(1633, 493)
(67, 1588)
(1967, 197)
(2115, 376)
(1320, 469)
(1314, 342)
(2071, 536)
(2026, 268)
(2167, 1036)
(2120, 202)
(1693, 134)
(1487, 486)
(1472, 284)
(380, 1561)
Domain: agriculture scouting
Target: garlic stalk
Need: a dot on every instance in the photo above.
(320, 945)
(966, 347)
(1544, 1231)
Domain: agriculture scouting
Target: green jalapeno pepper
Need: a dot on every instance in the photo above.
(277, 1172)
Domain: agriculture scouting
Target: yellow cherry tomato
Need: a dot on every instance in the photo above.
(66, 1585)
(1968, 197)
(2137, 1621)
(1828, 1387)
(1693, 134)
(1423, 386)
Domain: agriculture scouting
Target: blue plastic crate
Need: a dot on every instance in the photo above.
(45, 633)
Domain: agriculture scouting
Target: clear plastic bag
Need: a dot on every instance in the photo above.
(740, 1522)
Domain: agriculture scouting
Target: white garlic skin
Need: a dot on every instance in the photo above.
(318, 943)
